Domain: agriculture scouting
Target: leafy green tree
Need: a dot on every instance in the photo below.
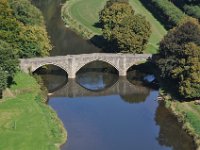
(8, 65)
(9, 27)
(3, 80)
(178, 59)
(26, 35)
(189, 74)
(22, 34)
(113, 14)
(8, 59)
(124, 30)
(26, 13)
(33, 41)
(132, 35)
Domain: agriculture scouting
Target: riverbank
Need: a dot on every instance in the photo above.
(26, 122)
(82, 15)
(188, 113)
(76, 25)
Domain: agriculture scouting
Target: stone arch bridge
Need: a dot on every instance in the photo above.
(73, 63)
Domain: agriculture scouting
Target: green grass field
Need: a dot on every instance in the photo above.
(25, 122)
(85, 12)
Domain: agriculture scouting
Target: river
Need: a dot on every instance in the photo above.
(99, 110)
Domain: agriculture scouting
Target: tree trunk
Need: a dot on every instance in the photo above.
(1, 94)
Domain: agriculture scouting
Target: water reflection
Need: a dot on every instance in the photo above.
(168, 133)
(53, 77)
(96, 119)
(64, 40)
(97, 76)
(108, 123)
(171, 134)
(138, 97)
(121, 87)
(98, 81)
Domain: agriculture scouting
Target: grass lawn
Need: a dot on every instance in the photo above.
(25, 122)
(85, 12)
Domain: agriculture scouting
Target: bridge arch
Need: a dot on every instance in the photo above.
(113, 64)
(35, 67)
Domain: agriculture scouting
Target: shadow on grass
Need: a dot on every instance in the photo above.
(11, 82)
(107, 47)
(157, 13)
(98, 25)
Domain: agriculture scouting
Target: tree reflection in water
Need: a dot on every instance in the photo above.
(139, 97)
(171, 134)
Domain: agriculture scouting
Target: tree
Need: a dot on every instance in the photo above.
(33, 41)
(8, 64)
(8, 59)
(178, 59)
(26, 13)
(113, 14)
(9, 27)
(23, 30)
(3, 81)
(124, 30)
(132, 35)
(189, 84)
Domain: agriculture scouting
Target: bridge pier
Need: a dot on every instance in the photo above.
(71, 75)
(122, 73)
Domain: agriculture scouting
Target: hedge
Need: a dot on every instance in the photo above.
(165, 11)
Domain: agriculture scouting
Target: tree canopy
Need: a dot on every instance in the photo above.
(22, 35)
(26, 13)
(28, 39)
(124, 30)
(3, 81)
(178, 59)
(8, 63)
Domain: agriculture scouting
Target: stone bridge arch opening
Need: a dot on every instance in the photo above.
(137, 72)
(98, 65)
(97, 75)
(53, 76)
(48, 67)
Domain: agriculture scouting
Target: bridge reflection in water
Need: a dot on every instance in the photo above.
(122, 87)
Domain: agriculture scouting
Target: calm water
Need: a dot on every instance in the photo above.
(64, 40)
(100, 110)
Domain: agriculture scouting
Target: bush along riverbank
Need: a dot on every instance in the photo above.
(26, 121)
(187, 113)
